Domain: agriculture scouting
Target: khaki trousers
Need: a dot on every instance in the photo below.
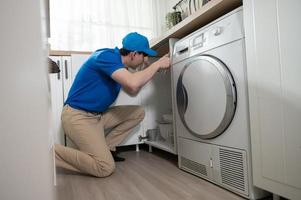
(86, 131)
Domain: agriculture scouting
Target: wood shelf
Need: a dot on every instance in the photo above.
(67, 53)
(208, 13)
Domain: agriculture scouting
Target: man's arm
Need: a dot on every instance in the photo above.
(132, 82)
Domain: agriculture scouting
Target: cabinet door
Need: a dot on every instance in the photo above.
(124, 99)
(76, 62)
(57, 101)
(273, 50)
(156, 99)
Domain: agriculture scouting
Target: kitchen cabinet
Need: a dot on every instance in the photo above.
(156, 99)
(273, 49)
(76, 62)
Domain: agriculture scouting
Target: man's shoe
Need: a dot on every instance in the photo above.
(117, 158)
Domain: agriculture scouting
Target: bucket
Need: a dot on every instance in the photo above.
(152, 134)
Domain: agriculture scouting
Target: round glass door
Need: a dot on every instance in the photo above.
(206, 97)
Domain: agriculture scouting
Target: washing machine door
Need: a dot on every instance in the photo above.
(206, 96)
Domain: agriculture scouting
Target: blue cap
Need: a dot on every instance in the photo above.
(136, 42)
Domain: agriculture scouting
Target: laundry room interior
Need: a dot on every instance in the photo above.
(219, 99)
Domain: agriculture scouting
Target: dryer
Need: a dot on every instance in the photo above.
(210, 103)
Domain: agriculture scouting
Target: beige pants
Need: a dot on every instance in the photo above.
(86, 131)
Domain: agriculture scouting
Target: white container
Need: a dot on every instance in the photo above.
(166, 131)
(167, 118)
(152, 134)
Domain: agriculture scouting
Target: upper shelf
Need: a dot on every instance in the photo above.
(206, 14)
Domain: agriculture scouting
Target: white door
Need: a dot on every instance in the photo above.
(57, 100)
(273, 54)
(76, 62)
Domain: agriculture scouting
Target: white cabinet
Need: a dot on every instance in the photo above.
(59, 87)
(156, 99)
(273, 51)
(76, 62)
(124, 99)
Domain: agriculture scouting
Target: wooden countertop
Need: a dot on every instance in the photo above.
(67, 53)
(206, 14)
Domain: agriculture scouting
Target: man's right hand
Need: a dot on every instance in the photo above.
(164, 62)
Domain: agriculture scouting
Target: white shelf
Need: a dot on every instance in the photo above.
(161, 145)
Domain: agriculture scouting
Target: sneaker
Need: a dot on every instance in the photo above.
(117, 158)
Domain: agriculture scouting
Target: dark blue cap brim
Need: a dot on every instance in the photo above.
(150, 52)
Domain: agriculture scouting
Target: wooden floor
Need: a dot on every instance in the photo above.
(143, 176)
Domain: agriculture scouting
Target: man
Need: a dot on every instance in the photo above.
(87, 114)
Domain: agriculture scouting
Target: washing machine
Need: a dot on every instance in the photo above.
(210, 103)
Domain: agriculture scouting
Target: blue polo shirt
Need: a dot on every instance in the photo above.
(93, 89)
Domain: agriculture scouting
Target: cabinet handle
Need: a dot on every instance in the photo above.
(66, 69)
(58, 74)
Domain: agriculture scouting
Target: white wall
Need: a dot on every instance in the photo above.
(170, 4)
(163, 7)
(25, 156)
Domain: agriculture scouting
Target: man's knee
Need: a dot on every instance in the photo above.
(104, 169)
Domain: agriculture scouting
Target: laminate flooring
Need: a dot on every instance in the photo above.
(143, 176)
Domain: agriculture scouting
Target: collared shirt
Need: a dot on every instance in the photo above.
(93, 89)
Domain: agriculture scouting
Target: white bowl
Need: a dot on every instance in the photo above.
(165, 131)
